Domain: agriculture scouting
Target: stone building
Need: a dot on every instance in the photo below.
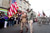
(23, 4)
(5, 4)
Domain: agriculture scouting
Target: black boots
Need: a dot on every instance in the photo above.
(21, 31)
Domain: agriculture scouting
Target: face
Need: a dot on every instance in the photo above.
(22, 12)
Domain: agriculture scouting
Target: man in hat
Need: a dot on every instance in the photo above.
(30, 19)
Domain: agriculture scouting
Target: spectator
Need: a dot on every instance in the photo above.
(1, 22)
(6, 21)
(9, 21)
(19, 15)
(12, 19)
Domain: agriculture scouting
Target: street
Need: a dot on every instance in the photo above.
(36, 28)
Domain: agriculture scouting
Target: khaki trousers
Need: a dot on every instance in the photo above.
(30, 22)
(23, 24)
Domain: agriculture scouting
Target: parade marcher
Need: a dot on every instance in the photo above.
(30, 19)
(23, 22)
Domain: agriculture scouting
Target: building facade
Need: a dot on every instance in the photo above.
(23, 4)
(5, 4)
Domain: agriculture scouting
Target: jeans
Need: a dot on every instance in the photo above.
(18, 20)
(13, 22)
(10, 23)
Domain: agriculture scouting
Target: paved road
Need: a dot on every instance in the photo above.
(37, 29)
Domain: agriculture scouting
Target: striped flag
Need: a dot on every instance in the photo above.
(13, 8)
(9, 13)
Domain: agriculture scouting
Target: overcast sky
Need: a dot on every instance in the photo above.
(39, 5)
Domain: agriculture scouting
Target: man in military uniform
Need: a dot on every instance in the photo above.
(30, 19)
(23, 22)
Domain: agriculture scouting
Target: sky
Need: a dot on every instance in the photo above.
(39, 5)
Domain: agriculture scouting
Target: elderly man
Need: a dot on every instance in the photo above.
(30, 19)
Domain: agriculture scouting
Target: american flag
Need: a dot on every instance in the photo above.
(13, 8)
(9, 13)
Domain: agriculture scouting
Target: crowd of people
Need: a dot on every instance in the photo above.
(5, 21)
(22, 18)
(3, 18)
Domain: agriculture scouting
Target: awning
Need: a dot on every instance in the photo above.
(3, 10)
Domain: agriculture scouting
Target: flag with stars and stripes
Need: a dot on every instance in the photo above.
(13, 9)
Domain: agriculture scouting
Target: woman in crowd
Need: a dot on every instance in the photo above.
(6, 21)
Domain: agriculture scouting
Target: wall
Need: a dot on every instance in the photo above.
(22, 5)
(5, 3)
(1, 3)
